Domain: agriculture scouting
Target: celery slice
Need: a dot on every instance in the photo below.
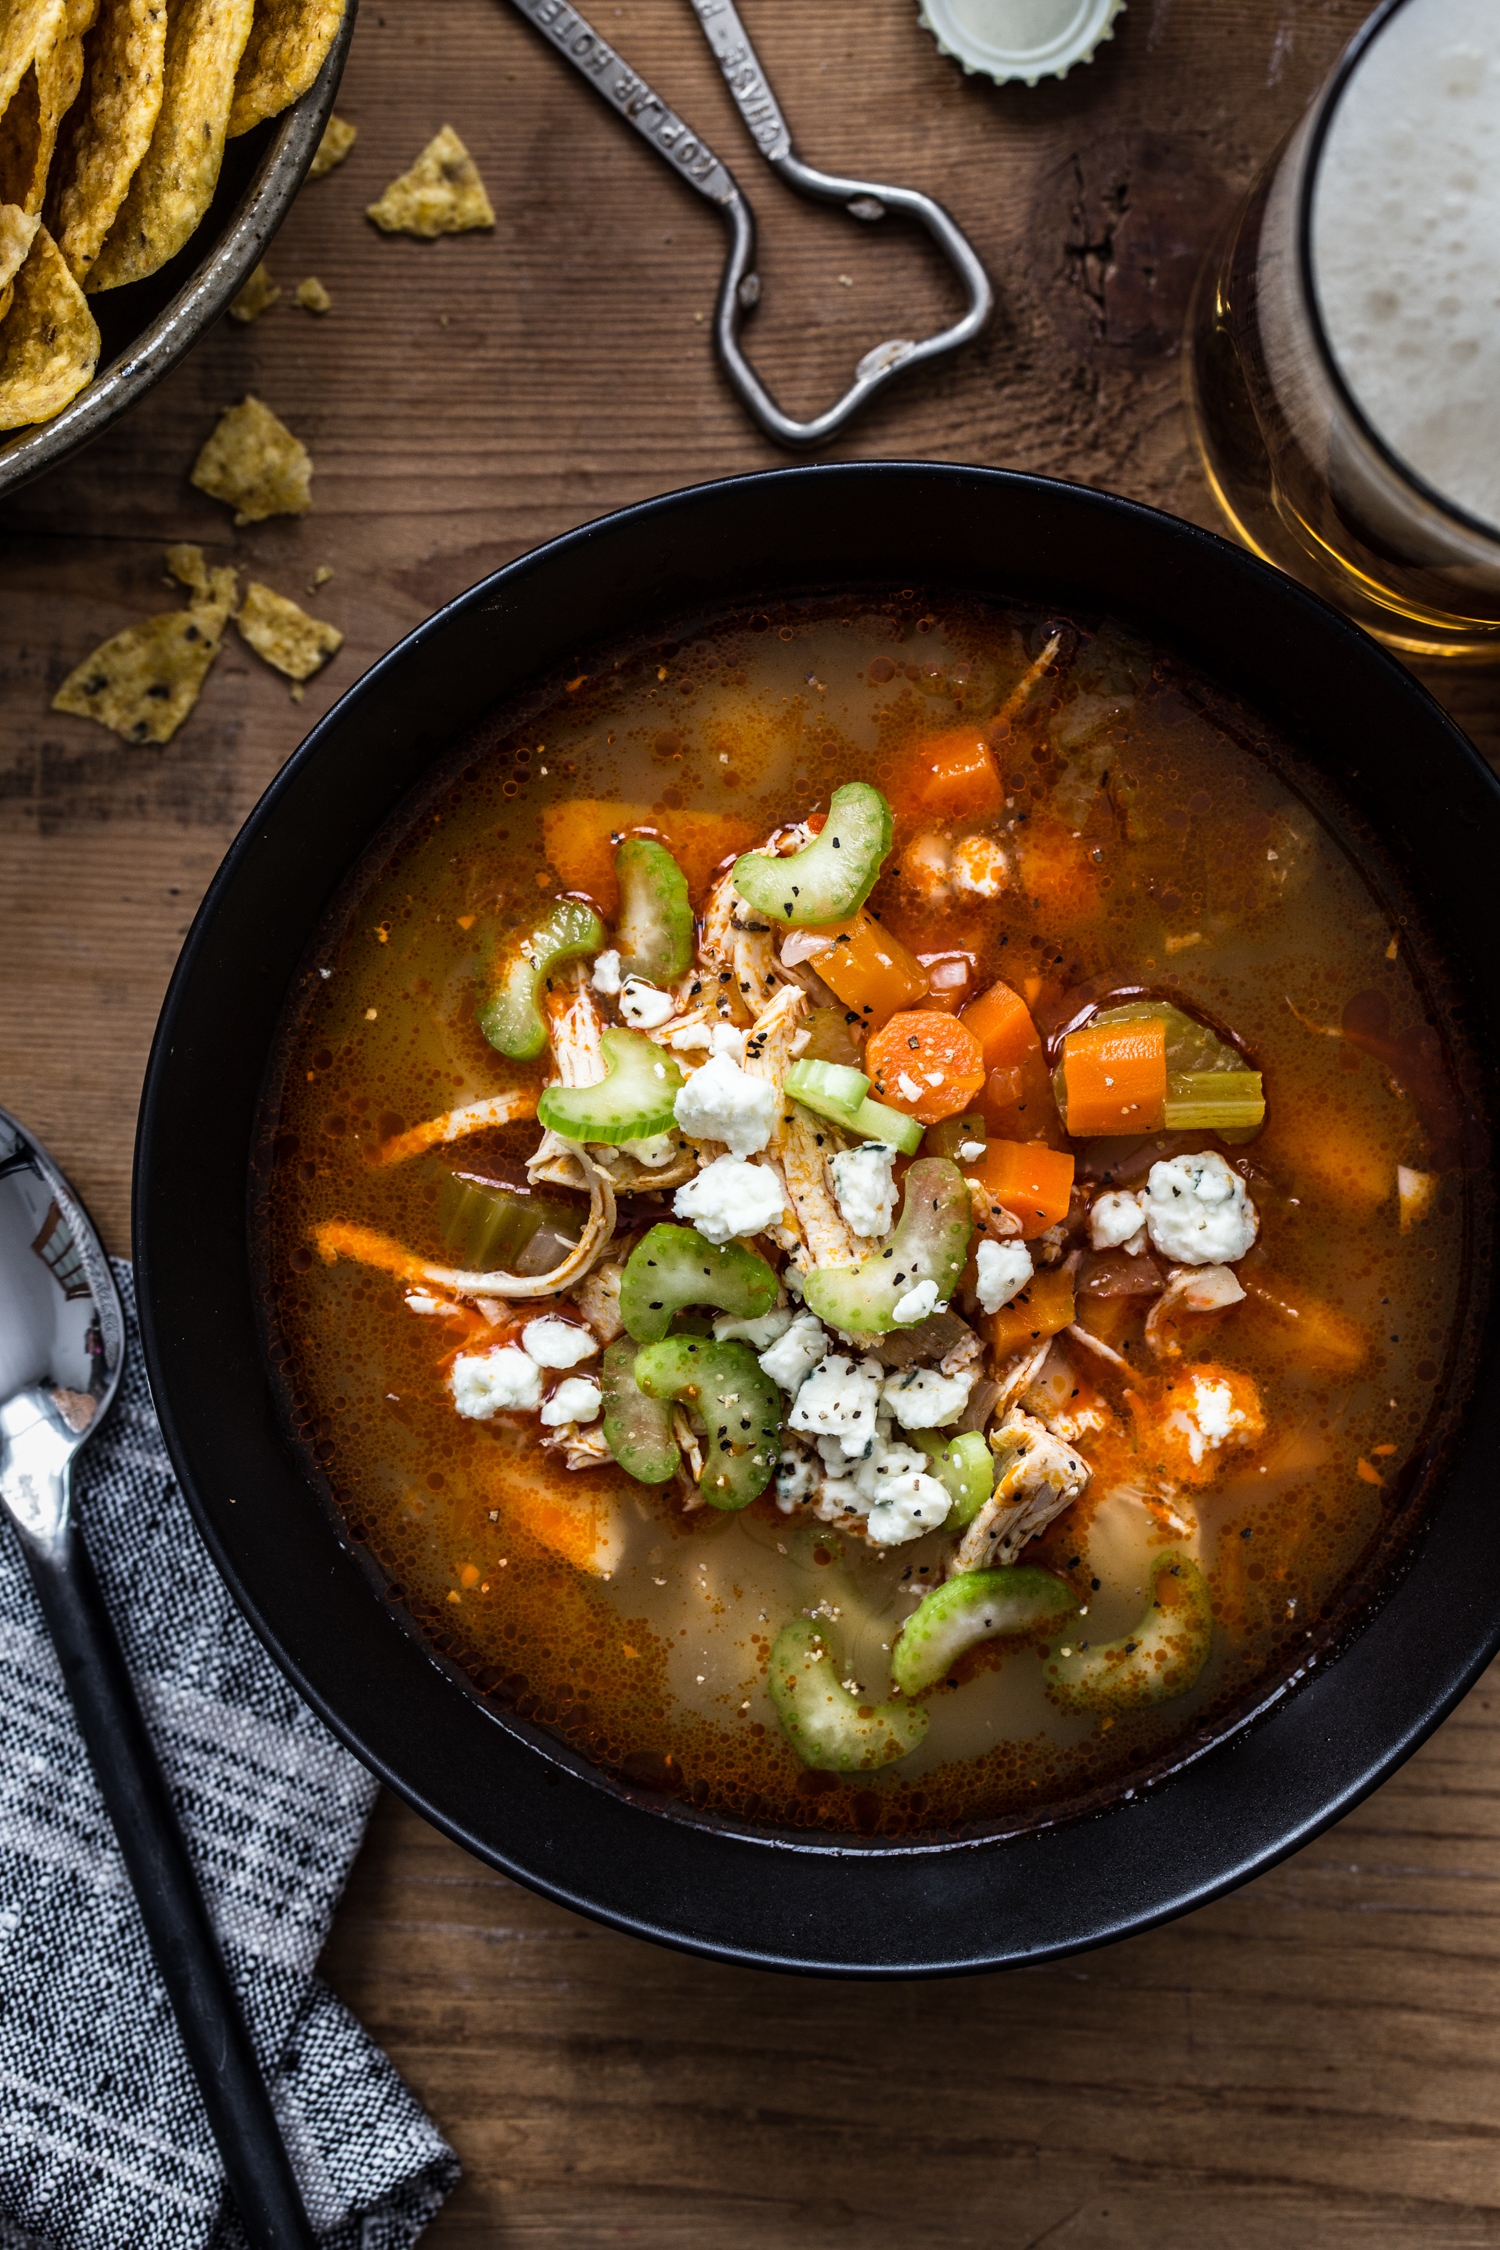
(930, 1243)
(631, 1104)
(509, 1015)
(637, 1429)
(655, 930)
(831, 878)
(1161, 1658)
(832, 1090)
(672, 1266)
(1018, 1603)
(873, 1121)
(1214, 1101)
(964, 1466)
(739, 1406)
(827, 1725)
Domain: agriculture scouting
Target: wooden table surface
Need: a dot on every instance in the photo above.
(1315, 2058)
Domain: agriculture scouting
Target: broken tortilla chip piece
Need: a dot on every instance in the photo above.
(215, 587)
(441, 194)
(312, 296)
(284, 634)
(143, 683)
(339, 137)
(253, 463)
(49, 345)
(282, 58)
(258, 294)
(109, 132)
(174, 183)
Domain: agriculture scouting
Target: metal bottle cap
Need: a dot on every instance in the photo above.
(1028, 39)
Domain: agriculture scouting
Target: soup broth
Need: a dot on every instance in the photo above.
(1172, 1463)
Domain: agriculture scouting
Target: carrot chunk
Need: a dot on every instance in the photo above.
(582, 836)
(1116, 1077)
(956, 774)
(1032, 1182)
(926, 1063)
(1044, 1308)
(1001, 1021)
(870, 970)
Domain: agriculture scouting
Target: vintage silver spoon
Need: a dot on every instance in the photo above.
(62, 1340)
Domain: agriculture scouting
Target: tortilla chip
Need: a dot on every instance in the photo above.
(47, 89)
(284, 56)
(312, 296)
(108, 134)
(284, 634)
(441, 194)
(257, 296)
(255, 465)
(339, 137)
(25, 25)
(49, 345)
(17, 233)
(144, 682)
(174, 183)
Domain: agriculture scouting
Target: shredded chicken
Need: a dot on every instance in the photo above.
(1036, 1477)
(1190, 1289)
(457, 1124)
(575, 1028)
(580, 1448)
(338, 1238)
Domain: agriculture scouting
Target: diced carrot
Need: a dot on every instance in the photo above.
(1110, 1318)
(580, 840)
(585, 1529)
(1001, 1021)
(1314, 1334)
(870, 970)
(1351, 1157)
(1044, 1308)
(1018, 1104)
(954, 774)
(1116, 1077)
(1057, 872)
(926, 1063)
(1033, 1182)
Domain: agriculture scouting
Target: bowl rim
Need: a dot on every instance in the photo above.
(217, 278)
(826, 1904)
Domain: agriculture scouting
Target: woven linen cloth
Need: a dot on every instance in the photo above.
(103, 2140)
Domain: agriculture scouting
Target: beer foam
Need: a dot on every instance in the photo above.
(1406, 244)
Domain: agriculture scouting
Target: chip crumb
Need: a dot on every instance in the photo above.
(284, 634)
(258, 295)
(296, 691)
(441, 194)
(339, 137)
(320, 577)
(254, 465)
(312, 296)
(144, 682)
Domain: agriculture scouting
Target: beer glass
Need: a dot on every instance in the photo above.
(1343, 350)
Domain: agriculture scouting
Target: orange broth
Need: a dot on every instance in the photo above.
(1155, 839)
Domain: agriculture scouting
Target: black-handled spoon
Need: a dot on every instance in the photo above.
(62, 1340)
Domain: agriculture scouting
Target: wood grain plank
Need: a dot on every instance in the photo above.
(1311, 2059)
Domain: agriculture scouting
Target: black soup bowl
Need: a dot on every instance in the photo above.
(515, 1795)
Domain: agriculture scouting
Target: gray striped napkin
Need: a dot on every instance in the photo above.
(103, 2144)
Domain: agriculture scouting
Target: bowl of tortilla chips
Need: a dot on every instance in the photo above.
(148, 151)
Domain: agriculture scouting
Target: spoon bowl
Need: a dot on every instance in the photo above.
(62, 1348)
(62, 1335)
